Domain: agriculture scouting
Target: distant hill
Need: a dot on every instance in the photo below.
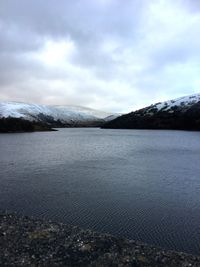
(179, 114)
(55, 116)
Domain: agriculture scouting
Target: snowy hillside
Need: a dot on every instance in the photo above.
(84, 110)
(182, 114)
(65, 114)
(183, 103)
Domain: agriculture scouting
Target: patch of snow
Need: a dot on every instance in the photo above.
(185, 101)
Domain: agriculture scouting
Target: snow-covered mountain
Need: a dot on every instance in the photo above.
(180, 113)
(181, 103)
(84, 110)
(66, 115)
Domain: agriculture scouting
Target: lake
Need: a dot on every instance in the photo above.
(139, 184)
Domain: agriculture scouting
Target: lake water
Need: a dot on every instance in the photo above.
(140, 184)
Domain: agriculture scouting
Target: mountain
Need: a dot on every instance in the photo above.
(181, 114)
(84, 110)
(55, 116)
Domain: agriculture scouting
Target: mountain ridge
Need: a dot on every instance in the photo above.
(56, 116)
(182, 113)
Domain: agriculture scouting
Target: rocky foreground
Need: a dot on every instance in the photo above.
(29, 242)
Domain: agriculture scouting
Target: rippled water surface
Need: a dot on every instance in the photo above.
(139, 184)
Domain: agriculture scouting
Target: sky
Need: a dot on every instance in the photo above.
(112, 55)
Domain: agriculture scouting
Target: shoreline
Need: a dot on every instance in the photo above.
(27, 241)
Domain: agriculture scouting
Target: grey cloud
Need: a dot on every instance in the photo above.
(126, 53)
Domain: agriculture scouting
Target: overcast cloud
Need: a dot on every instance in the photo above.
(114, 55)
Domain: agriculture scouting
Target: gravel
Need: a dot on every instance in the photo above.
(25, 241)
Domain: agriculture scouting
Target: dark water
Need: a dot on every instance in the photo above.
(139, 184)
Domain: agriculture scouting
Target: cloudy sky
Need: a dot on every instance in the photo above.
(114, 55)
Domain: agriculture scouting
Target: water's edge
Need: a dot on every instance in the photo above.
(28, 241)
